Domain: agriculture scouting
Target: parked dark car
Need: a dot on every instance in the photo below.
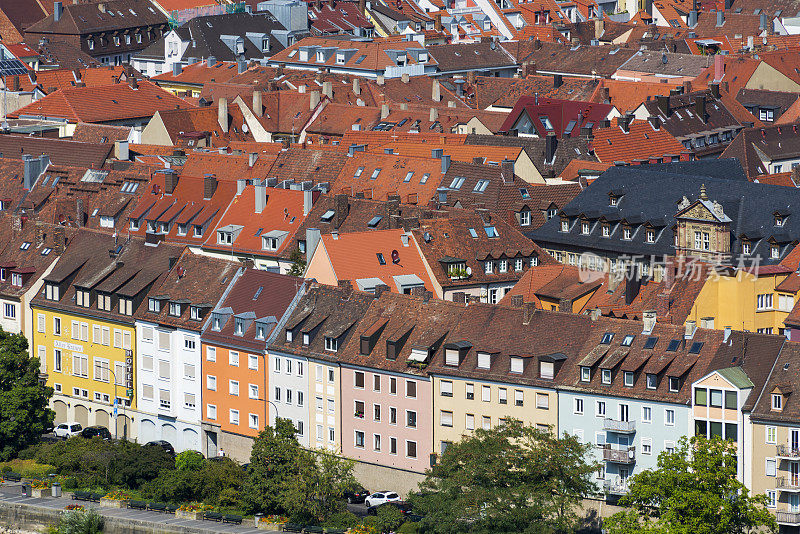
(166, 445)
(99, 431)
(403, 506)
(356, 496)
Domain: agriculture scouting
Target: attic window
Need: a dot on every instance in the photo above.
(628, 341)
(424, 178)
(777, 402)
(524, 193)
(673, 345)
(484, 360)
(517, 365)
(328, 215)
(651, 342)
(696, 347)
(375, 221)
(457, 182)
(25, 245)
(473, 233)
(607, 337)
(779, 219)
(481, 186)
(381, 259)
(491, 231)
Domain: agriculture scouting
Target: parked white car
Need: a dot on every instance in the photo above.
(381, 497)
(67, 430)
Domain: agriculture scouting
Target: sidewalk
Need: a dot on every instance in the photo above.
(11, 493)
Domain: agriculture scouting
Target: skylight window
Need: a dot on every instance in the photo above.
(425, 177)
(129, 187)
(408, 177)
(46, 251)
(546, 123)
(25, 246)
(481, 186)
(696, 347)
(473, 233)
(327, 216)
(457, 182)
(651, 342)
(607, 337)
(358, 173)
(570, 127)
(673, 345)
(375, 173)
(627, 341)
(524, 193)
(491, 231)
(381, 259)
(375, 221)
(258, 292)
(360, 59)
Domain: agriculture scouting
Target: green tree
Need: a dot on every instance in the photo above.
(189, 461)
(273, 462)
(512, 478)
(693, 490)
(386, 519)
(298, 263)
(24, 415)
(316, 492)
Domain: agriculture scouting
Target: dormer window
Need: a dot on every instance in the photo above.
(779, 219)
(747, 248)
(195, 313)
(547, 370)
(628, 379)
(488, 267)
(331, 344)
(270, 243)
(134, 224)
(606, 376)
(225, 238)
(289, 335)
(613, 200)
(606, 230)
(525, 217)
(261, 331)
(125, 306)
(774, 252)
(3, 274)
(585, 227)
(174, 309)
(586, 374)
(777, 402)
(674, 384)
(154, 305)
(216, 323)
(198, 230)
(238, 326)
(104, 301)
(484, 360)
(16, 279)
(652, 381)
(82, 298)
(650, 236)
(52, 292)
(627, 234)
(306, 338)
(565, 225)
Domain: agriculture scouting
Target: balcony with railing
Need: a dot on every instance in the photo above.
(616, 486)
(626, 455)
(621, 427)
(787, 452)
(788, 518)
(789, 484)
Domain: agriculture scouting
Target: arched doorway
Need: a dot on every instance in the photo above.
(60, 407)
(124, 429)
(191, 439)
(147, 431)
(101, 418)
(82, 415)
(169, 433)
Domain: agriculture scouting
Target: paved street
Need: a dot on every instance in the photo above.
(12, 493)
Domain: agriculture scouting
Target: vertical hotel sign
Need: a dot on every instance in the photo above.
(129, 373)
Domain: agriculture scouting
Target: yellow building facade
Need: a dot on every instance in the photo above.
(744, 301)
(460, 405)
(89, 364)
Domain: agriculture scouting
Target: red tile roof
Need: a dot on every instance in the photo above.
(641, 142)
(103, 103)
(561, 114)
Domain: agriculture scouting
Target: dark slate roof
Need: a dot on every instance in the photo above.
(775, 142)
(652, 193)
(204, 34)
(61, 151)
(568, 60)
(116, 15)
(472, 56)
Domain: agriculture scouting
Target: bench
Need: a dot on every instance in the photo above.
(81, 496)
(292, 527)
(11, 476)
(212, 516)
(232, 518)
(95, 497)
(171, 509)
(137, 505)
(335, 531)
(157, 507)
(314, 530)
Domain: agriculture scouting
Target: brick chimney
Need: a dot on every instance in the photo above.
(258, 106)
(222, 114)
(170, 181)
(209, 185)
(342, 208)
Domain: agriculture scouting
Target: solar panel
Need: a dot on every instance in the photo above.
(11, 67)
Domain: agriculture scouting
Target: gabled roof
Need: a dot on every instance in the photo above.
(473, 56)
(566, 118)
(60, 151)
(115, 15)
(103, 103)
(355, 255)
(755, 146)
(505, 92)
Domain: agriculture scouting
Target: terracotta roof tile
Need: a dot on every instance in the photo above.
(640, 142)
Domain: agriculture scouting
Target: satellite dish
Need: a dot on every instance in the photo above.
(395, 256)
(244, 128)
(427, 237)
(469, 271)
